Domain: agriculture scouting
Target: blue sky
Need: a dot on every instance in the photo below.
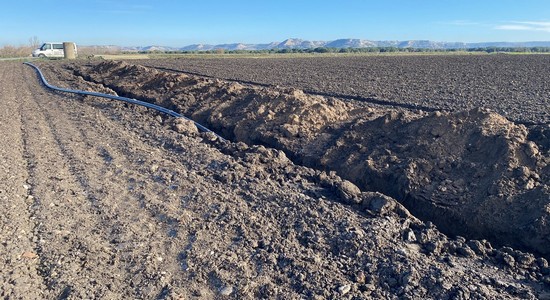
(180, 23)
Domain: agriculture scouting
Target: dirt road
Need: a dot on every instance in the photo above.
(99, 200)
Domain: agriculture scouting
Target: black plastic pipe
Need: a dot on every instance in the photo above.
(128, 100)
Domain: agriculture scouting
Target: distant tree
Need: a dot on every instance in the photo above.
(321, 50)
(34, 42)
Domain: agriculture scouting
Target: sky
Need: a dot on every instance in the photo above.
(181, 23)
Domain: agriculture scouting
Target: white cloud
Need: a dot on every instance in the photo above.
(513, 27)
(526, 26)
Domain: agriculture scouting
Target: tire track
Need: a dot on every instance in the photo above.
(102, 160)
(21, 261)
(68, 244)
(100, 219)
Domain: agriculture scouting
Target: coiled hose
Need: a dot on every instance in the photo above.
(128, 100)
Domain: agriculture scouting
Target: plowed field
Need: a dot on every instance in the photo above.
(312, 196)
(515, 86)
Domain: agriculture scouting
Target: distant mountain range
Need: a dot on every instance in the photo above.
(340, 43)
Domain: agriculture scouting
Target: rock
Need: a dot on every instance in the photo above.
(209, 136)
(409, 236)
(344, 289)
(532, 149)
(370, 287)
(349, 192)
(326, 180)
(523, 172)
(542, 262)
(465, 251)
(423, 237)
(508, 260)
(433, 247)
(378, 203)
(241, 146)
(507, 250)
(525, 259)
(185, 126)
(29, 255)
(226, 291)
(281, 157)
(409, 278)
(360, 277)
(477, 247)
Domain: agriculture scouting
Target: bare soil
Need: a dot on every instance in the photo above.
(454, 169)
(106, 200)
(514, 86)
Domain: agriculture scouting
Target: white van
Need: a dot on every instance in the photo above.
(51, 50)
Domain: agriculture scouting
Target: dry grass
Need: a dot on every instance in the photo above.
(9, 51)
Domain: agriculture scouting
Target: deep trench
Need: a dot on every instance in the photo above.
(388, 185)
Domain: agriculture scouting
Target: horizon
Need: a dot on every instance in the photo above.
(177, 24)
(292, 38)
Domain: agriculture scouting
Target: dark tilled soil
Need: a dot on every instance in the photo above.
(107, 200)
(515, 86)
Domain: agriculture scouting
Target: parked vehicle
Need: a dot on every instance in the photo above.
(51, 49)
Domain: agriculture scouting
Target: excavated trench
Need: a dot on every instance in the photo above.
(472, 173)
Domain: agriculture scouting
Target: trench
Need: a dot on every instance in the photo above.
(457, 170)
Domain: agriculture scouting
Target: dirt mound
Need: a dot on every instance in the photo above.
(472, 173)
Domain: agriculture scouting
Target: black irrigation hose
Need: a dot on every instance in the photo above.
(128, 100)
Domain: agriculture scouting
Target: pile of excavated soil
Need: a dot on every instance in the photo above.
(335, 229)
